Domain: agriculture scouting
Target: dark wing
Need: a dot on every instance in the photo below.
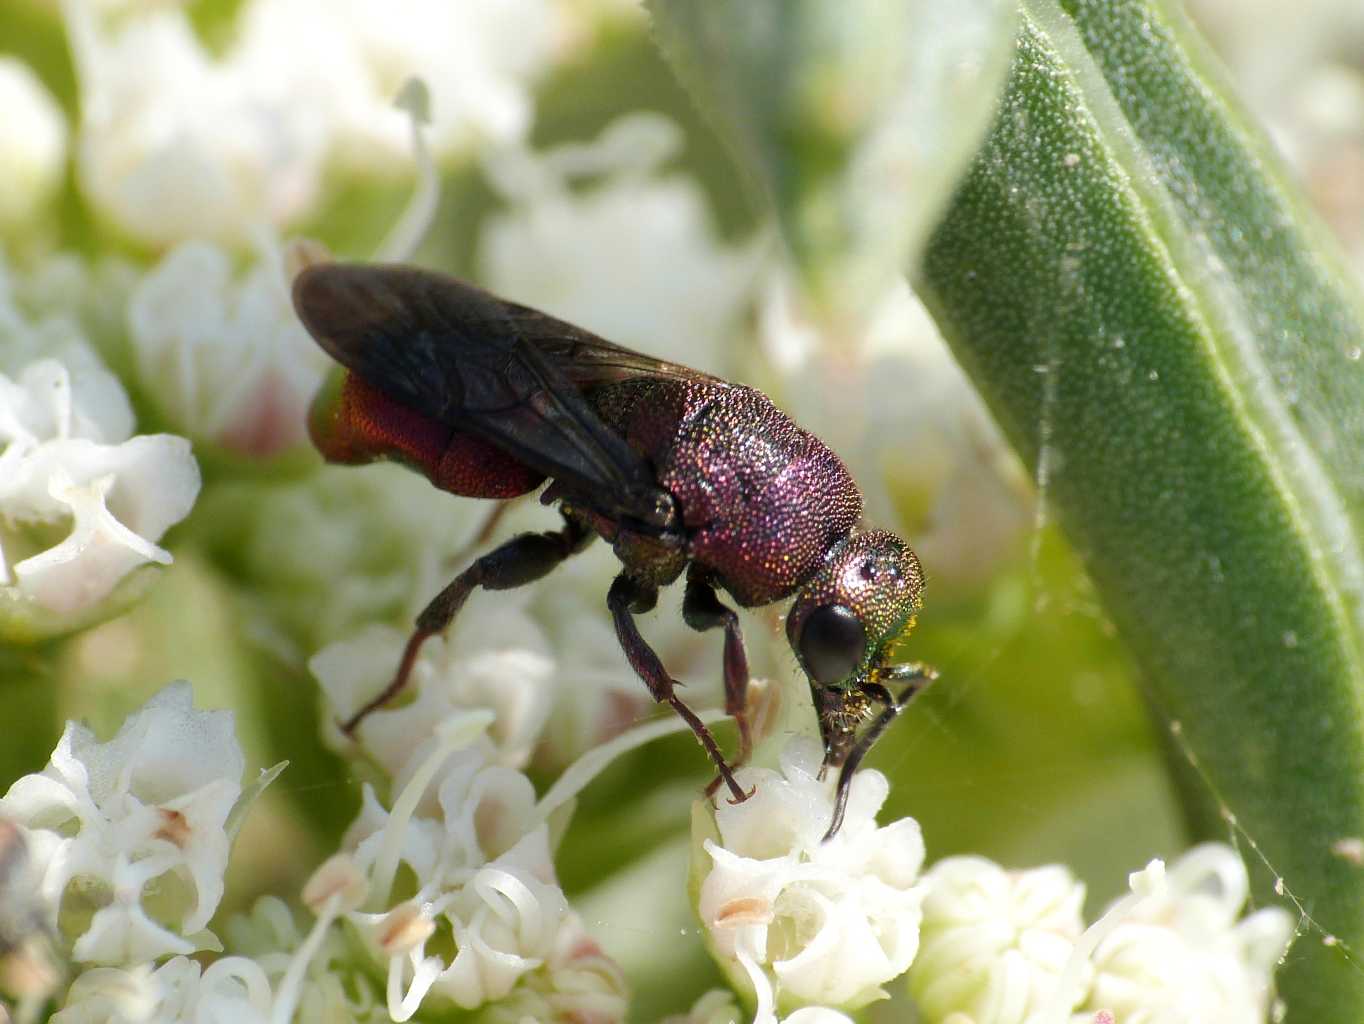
(499, 371)
(586, 359)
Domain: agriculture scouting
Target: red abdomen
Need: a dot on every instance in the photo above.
(355, 423)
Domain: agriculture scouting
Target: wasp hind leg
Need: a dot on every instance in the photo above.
(626, 599)
(521, 560)
(702, 609)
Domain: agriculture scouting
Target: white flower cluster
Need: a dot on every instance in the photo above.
(634, 258)
(175, 144)
(139, 829)
(225, 356)
(82, 501)
(833, 921)
(144, 815)
(996, 943)
(1011, 947)
(1175, 949)
(824, 926)
(471, 834)
(465, 823)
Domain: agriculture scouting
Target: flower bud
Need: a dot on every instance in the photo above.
(32, 144)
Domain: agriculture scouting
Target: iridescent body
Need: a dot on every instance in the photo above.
(676, 469)
(761, 500)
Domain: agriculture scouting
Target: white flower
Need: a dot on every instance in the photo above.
(995, 942)
(145, 813)
(330, 986)
(479, 811)
(478, 58)
(494, 656)
(481, 859)
(225, 357)
(81, 399)
(719, 1006)
(636, 258)
(65, 461)
(180, 990)
(1178, 952)
(325, 584)
(505, 920)
(55, 307)
(173, 145)
(32, 143)
(579, 985)
(834, 921)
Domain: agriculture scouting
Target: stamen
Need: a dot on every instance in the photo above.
(1145, 884)
(336, 876)
(581, 772)
(246, 971)
(416, 219)
(424, 974)
(402, 929)
(765, 1013)
(298, 255)
(334, 888)
(452, 734)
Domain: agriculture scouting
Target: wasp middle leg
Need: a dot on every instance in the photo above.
(702, 609)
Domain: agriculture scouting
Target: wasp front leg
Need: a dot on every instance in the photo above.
(703, 610)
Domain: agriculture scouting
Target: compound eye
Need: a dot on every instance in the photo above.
(832, 642)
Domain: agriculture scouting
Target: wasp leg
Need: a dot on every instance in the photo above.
(626, 599)
(523, 559)
(702, 610)
(915, 677)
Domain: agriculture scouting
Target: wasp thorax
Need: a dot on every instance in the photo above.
(863, 598)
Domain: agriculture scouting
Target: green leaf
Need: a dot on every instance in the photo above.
(1165, 335)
